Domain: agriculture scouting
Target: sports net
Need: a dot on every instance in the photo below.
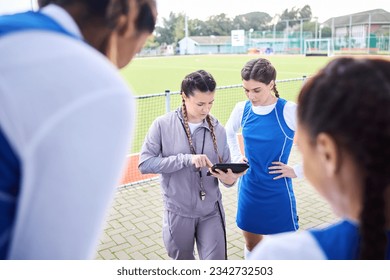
(318, 47)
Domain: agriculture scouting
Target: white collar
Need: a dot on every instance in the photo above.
(63, 18)
(263, 110)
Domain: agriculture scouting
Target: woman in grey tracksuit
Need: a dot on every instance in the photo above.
(181, 146)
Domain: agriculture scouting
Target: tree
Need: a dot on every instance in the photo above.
(151, 42)
(293, 17)
(256, 20)
(305, 13)
(326, 32)
(219, 25)
(165, 34)
(179, 28)
(197, 27)
(172, 29)
(290, 16)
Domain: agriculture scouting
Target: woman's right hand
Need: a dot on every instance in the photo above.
(201, 161)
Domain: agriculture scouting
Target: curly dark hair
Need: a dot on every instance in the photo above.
(350, 101)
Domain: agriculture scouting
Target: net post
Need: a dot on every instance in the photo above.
(167, 100)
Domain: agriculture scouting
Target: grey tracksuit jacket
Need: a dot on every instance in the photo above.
(166, 151)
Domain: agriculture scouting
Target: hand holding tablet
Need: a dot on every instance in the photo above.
(235, 167)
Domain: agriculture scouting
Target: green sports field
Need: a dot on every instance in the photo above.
(157, 74)
(154, 75)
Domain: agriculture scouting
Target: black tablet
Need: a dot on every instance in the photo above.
(235, 167)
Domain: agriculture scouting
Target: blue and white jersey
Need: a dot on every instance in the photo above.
(336, 242)
(233, 126)
(66, 118)
(265, 205)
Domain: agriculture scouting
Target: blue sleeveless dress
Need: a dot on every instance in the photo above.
(341, 241)
(265, 205)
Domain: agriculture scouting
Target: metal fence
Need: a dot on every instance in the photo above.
(149, 107)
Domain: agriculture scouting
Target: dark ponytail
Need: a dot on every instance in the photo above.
(350, 100)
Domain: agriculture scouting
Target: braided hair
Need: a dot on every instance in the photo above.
(204, 82)
(260, 70)
(350, 100)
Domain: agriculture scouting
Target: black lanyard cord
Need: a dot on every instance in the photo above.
(202, 192)
(204, 138)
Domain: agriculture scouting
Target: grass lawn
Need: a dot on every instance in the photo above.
(156, 74)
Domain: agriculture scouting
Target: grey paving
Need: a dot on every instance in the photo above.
(133, 227)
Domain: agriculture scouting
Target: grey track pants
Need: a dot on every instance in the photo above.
(180, 234)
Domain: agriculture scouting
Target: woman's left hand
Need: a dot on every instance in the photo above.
(282, 169)
(228, 178)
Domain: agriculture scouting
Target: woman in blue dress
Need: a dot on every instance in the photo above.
(344, 135)
(266, 204)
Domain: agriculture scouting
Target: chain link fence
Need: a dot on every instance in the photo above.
(149, 107)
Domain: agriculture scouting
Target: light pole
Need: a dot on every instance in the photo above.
(316, 31)
(250, 37)
(274, 33)
(301, 33)
(333, 34)
(186, 33)
(369, 34)
(350, 33)
(274, 21)
(285, 41)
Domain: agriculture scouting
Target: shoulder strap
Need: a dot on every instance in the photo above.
(279, 110)
(279, 106)
(30, 21)
(246, 112)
